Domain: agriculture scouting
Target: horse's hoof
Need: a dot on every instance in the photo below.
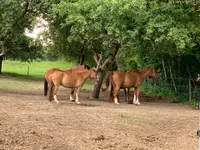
(73, 100)
(117, 103)
(77, 102)
(137, 104)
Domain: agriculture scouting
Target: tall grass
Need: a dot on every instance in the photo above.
(33, 69)
(167, 92)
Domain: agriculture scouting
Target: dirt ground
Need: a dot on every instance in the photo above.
(28, 121)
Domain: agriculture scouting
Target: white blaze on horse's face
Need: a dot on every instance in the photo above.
(198, 78)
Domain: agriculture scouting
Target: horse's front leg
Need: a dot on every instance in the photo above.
(134, 95)
(78, 95)
(54, 93)
(137, 96)
(71, 94)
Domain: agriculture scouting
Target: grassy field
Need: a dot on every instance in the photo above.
(17, 75)
(33, 69)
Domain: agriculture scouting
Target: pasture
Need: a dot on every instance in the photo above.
(29, 121)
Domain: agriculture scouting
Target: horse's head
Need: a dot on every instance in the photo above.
(154, 73)
(198, 78)
(93, 74)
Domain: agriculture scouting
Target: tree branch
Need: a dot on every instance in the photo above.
(95, 57)
(17, 21)
(22, 15)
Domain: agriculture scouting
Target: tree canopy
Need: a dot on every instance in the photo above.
(140, 34)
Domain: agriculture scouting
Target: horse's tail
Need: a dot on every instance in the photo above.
(108, 80)
(45, 87)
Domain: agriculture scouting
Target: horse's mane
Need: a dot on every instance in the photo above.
(86, 66)
(138, 71)
(130, 71)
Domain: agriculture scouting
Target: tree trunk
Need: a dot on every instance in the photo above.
(1, 60)
(114, 66)
(81, 59)
(97, 85)
(102, 67)
(190, 90)
(164, 69)
(172, 77)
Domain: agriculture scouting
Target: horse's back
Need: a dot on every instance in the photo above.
(65, 78)
(118, 77)
(49, 73)
(132, 79)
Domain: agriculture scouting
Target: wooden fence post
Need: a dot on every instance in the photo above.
(190, 90)
(28, 71)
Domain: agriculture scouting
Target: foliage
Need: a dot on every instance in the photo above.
(16, 16)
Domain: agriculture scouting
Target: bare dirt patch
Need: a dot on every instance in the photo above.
(29, 121)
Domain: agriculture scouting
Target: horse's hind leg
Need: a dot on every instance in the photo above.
(125, 93)
(128, 92)
(50, 87)
(54, 94)
(111, 96)
(71, 94)
(78, 95)
(115, 94)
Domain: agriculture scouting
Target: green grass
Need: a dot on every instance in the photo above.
(33, 69)
(35, 75)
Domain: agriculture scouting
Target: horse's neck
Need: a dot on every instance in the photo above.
(76, 68)
(145, 73)
(86, 73)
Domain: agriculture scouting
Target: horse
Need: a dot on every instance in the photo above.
(69, 79)
(48, 78)
(126, 90)
(120, 79)
(198, 78)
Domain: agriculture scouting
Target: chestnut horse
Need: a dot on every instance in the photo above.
(48, 78)
(69, 79)
(198, 78)
(120, 79)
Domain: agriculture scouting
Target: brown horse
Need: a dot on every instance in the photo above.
(121, 79)
(48, 78)
(69, 79)
(126, 90)
(198, 78)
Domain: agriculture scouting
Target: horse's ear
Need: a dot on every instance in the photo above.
(198, 74)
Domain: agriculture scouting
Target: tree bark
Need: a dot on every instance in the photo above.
(97, 85)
